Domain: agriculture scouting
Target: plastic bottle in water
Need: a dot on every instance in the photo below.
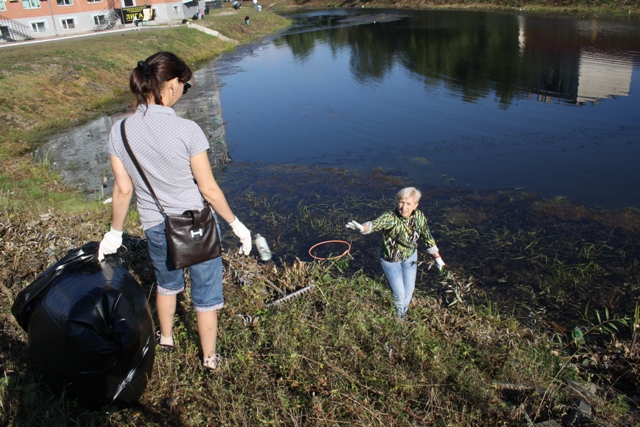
(263, 248)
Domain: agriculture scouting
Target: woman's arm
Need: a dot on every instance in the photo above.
(384, 222)
(429, 241)
(122, 192)
(201, 169)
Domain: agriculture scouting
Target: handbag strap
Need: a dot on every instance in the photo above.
(142, 174)
(137, 165)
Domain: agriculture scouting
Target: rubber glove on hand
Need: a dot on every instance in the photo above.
(110, 243)
(355, 226)
(440, 263)
(243, 234)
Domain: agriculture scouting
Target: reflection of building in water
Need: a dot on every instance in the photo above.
(558, 79)
(567, 71)
(552, 56)
(603, 76)
(574, 66)
(521, 34)
(585, 79)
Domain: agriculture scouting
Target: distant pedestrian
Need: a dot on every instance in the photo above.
(200, 14)
(136, 22)
(246, 20)
(236, 4)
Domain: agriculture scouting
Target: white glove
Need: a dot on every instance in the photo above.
(243, 234)
(440, 263)
(110, 243)
(355, 226)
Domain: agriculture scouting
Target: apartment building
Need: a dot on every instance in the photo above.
(29, 19)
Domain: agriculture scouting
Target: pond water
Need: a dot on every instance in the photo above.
(546, 105)
(518, 129)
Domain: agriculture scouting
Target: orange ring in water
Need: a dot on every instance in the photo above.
(330, 241)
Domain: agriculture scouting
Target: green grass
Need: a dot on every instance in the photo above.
(54, 89)
(232, 25)
(334, 356)
(30, 187)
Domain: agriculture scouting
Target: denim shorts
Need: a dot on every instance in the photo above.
(206, 277)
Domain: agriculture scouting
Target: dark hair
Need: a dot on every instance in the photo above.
(149, 75)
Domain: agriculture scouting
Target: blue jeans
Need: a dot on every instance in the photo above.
(402, 280)
(206, 277)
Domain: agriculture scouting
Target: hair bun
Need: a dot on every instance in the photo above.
(146, 68)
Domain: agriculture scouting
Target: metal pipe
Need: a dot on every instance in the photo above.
(53, 19)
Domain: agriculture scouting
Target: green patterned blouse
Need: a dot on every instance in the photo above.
(400, 235)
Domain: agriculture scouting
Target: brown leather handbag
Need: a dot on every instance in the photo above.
(193, 237)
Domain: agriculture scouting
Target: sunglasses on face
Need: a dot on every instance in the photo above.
(186, 87)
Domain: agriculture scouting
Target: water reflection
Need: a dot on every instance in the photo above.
(591, 77)
(446, 98)
(477, 54)
(602, 75)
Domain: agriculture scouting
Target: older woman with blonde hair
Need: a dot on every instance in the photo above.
(398, 253)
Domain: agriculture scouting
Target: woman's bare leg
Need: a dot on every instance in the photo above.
(208, 331)
(166, 305)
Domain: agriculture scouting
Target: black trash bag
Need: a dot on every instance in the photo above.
(90, 329)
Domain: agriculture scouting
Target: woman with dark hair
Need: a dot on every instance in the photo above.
(172, 152)
(398, 252)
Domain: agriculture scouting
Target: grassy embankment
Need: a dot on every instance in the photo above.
(617, 7)
(52, 86)
(335, 356)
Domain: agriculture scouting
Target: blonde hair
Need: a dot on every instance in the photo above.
(407, 192)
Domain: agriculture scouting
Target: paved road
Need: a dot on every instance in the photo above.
(126, 28)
